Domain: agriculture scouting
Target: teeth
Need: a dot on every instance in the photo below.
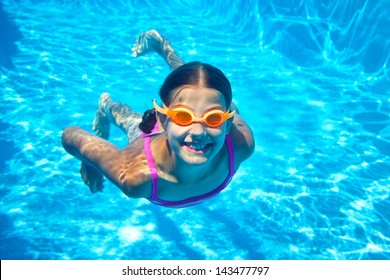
(197, 146)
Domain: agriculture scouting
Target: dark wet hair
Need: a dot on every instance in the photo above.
(195, 74)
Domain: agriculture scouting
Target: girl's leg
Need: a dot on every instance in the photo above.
(118, 114)
(153, 41)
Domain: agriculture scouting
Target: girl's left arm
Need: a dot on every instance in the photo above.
(242, 137)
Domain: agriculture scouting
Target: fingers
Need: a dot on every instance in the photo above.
(92, 178)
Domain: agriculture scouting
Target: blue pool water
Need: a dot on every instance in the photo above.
(310, 77)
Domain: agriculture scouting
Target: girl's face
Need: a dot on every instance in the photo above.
(197, 143)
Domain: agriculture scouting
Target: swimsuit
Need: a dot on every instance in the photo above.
(189, 201)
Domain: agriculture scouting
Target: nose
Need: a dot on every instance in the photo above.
(197, 130)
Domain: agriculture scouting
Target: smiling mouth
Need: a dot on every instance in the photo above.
(197, 148)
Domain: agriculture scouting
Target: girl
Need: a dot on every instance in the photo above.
(181, 152)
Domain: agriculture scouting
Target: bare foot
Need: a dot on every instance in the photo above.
(149, 41)
(101, 124)
(92, 177)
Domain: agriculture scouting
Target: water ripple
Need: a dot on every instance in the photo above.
(311, 78)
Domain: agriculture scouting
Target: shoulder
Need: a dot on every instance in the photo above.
(242, 138)
(135, 174)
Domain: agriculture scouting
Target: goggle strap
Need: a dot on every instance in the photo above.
(159, 109)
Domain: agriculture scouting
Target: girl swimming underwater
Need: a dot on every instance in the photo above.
(180, 153)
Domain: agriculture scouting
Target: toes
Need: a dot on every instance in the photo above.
(104, 98)
(144, 43)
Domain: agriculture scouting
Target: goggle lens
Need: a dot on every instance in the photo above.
(182, 118)
(185, 116)
(214, 120)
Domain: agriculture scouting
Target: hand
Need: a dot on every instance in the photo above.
(92, 177)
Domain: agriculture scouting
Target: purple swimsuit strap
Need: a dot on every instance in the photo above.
(152, 165)
(193, 200)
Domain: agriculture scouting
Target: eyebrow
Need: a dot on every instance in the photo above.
(205, 110)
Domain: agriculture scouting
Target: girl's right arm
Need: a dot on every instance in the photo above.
(88, 148)
(122, 168)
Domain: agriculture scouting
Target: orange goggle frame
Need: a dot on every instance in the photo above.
(184, 116)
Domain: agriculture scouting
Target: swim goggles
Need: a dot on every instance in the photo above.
(184, 116)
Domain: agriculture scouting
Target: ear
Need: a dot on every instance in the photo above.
(229, 124)
(162, 121)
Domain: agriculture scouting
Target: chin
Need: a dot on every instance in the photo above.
(196, 160)
(196, 157)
